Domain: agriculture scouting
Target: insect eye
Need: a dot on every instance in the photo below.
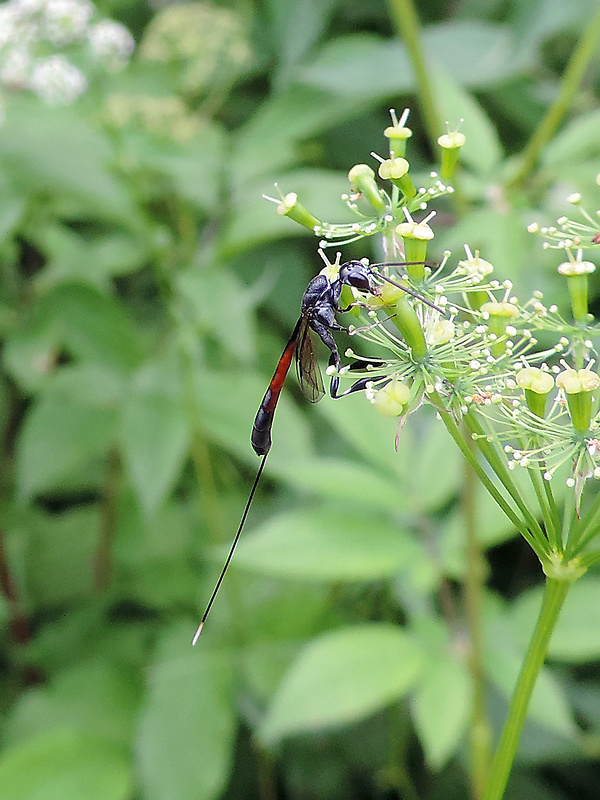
(356, 274)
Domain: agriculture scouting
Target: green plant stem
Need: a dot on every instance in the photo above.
(473, 589)
(498, 465)
(588, 527)
(554, 596)
(406, 23)
(547, 507)
(484, 478)
(582, 54)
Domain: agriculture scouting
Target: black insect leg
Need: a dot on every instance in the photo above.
(322, 324)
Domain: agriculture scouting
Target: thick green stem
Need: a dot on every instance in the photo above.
(572, 76)
(406, 22)
(554, 597)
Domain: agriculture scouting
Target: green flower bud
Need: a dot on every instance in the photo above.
(578, 386)
(406, 320)
(450, 144)
(397, 136)
(499, 317)
(577, 273)
(477, 269)
(536, 385)
(415, 236)
(290, 207)
(362, 178)
(391, 399)
(443, 331)
(396, 171)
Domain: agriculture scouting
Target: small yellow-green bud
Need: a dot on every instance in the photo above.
(573, 381)
(390, 400)
(450, 144)
(415, 236)
(535, 380)
(477, 269)
(536, 385)
(499, 310)
(290, 207)
(578, 386)
(398, 136)
(443, 331)
(396, 171)
(499, 317)
(362, 178)
(577, 273)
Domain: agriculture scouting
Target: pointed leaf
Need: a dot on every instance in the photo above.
(331, 545)
(342, 677)
(154, 437)
(65, 765)
(442, 708)
(187, 728)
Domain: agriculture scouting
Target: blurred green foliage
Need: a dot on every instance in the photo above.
(146, 292)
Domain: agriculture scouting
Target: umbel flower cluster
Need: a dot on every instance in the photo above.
(45, 43)
(472, 350)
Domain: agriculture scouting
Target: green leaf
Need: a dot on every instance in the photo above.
(154, 435)
(110, 711)
(297, 24)
(221, 307)
(422, 474)
(343, 479)
(96, 325)
(342, 677)
(578, 141)
(329, 544)
(442, 707)
(62, 154)
(65, 765)
(194, 169)
(60, 554)
(268, 142)
(475, 53)
(576, 638)
(360, 65)
(60, 443)
(187, 728)
(72, 256)
(90, 324)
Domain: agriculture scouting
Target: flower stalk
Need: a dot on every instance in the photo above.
(555, 592)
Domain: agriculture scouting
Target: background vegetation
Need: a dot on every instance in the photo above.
(146, 293)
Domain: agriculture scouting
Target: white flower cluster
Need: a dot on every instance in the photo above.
(30, 30)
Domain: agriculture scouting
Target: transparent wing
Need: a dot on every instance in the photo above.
(307, 367)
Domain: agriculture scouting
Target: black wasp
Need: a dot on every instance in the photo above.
(320, 303)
